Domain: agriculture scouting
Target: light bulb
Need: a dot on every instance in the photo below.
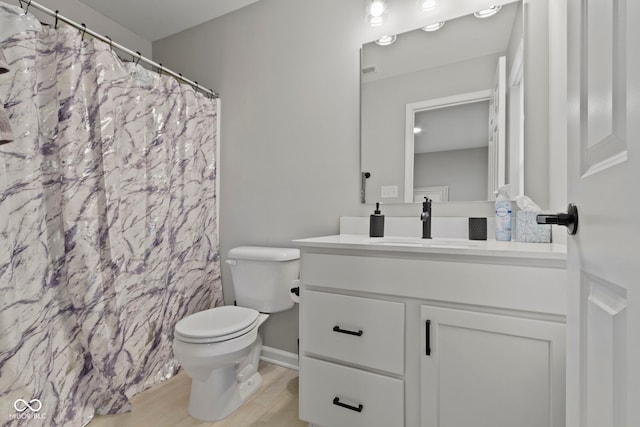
(485, 13)
(376, 12)
(433, 27)
(386, 40)
(376, 8)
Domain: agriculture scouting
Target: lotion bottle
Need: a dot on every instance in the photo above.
(503, 214)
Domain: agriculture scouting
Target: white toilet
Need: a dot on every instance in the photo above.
(220, 348)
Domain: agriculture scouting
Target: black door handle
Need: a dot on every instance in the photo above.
(568, 219)
(345, 331)
(336, 401)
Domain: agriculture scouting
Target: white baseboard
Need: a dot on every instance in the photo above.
(279, 357)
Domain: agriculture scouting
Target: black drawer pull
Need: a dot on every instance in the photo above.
(345, 331)
(427, 336)
(336, 401)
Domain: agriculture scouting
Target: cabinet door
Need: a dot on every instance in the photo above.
(488, 370)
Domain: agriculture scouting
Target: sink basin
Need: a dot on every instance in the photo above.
(431, 243)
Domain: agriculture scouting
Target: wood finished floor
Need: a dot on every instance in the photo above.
(165, 405)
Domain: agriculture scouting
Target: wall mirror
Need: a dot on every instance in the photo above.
(442, 111)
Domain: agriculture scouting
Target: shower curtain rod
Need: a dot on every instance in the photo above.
(137, 55)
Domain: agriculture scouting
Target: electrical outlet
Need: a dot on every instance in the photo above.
(389, 191)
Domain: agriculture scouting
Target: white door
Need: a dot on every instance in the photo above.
(603, 360)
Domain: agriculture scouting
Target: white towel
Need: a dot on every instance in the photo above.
(6, 134)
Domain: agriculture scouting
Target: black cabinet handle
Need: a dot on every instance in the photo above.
(336, 401)
(345, 331)
(427, 336)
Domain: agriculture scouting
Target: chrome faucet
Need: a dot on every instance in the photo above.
(425, 217)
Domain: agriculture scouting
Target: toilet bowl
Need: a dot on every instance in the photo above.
(220, 348)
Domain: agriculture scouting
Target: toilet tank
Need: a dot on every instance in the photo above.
(262, 276)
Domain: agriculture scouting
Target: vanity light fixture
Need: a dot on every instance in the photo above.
(376, 12)
(386, 40)
(426, 5)
(433, 27)
(485, 13)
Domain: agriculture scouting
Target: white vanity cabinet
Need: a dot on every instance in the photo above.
(431, 336)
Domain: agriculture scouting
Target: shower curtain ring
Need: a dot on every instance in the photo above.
(84, 30)
(56, 24)
(139, 56)
(110, 43)
(27, 9)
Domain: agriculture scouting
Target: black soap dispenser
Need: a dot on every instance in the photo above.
(376, 223)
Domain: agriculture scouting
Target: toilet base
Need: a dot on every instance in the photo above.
(227, 387)
(250, 386)
(221, 394)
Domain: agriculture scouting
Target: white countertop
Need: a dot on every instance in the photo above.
(452, 246)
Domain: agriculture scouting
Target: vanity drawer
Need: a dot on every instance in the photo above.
(332, 395)
(362, 331)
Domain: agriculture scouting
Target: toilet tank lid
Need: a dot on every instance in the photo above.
(263, 253)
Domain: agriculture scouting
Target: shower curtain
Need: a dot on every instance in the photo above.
(108, 227)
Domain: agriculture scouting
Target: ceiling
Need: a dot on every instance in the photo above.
(156, 19)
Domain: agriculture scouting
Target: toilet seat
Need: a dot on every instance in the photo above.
(217, 324)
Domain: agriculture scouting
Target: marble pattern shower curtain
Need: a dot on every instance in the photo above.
(108, 228)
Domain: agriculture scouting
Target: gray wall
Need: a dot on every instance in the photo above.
(289, 124)
(81, 13)
(288, 75)
(463, 171)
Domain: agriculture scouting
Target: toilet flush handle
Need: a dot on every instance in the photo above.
(295, 287)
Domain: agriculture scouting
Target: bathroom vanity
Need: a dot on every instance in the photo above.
(442, 332)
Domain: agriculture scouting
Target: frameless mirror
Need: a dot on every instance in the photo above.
(442, 111)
